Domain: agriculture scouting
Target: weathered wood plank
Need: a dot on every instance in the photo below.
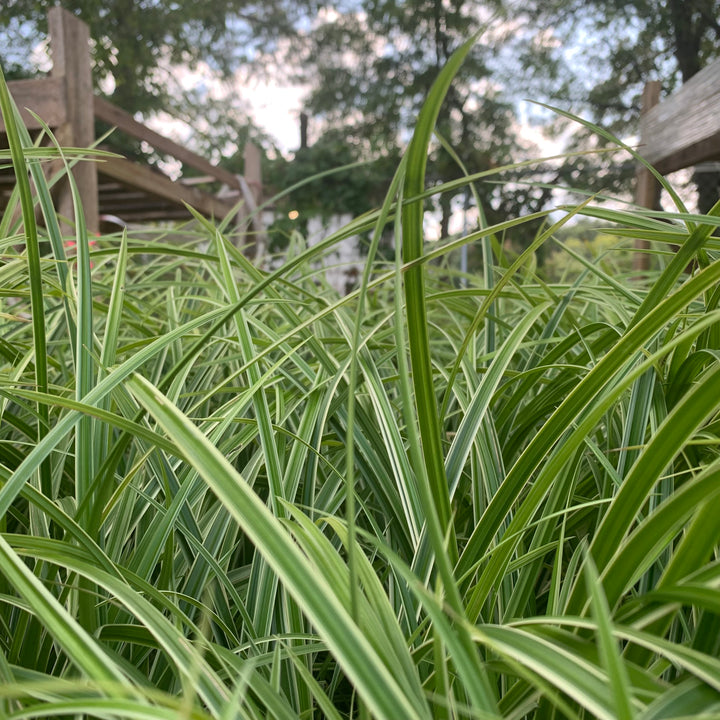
(70, 50)
(150, 181)
(684, 129)
(255, 244)
(44, 96)
(125, 122)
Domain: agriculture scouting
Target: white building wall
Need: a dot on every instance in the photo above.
(343, 264)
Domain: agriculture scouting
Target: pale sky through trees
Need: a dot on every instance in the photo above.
(275, 104)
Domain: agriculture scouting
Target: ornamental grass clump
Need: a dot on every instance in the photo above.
(227, 493)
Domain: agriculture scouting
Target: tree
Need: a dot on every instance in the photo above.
(352, 191)
(372, 63)
(138, 47)
(626, 43)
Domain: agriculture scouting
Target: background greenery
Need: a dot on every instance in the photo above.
(369, 64)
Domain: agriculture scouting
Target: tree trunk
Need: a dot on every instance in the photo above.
(446, 210)
(708, 187)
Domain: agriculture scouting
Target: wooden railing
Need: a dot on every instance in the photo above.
(684, 129)
(681, 131)
(65, 101)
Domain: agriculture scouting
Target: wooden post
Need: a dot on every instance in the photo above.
(647, 188)
(70, 51)
(251, 186)
(253, 172)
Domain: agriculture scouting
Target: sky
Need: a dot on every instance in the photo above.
(274, 106)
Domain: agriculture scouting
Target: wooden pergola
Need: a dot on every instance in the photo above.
(680, 132)
(114, 186)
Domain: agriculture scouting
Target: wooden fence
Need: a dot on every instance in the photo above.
(681, 131)
(133, 192)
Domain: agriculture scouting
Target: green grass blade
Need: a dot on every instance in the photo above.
(470, 426)
(422, 374)
(667, 442)
(634, 555)
(538, 448)
(42, 449)
(11, 120)
(607, 645)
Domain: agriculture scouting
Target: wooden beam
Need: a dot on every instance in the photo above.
(44, 96)
(67, 103)
(684, 129)
(251, 187)
(70, 50)
(154, 183)
(126, 123)
(121, 205)
(252, 170)
(154, 215)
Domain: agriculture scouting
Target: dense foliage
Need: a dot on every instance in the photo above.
(371, 64)
(627, 44)
(231, 494)
(134, 43)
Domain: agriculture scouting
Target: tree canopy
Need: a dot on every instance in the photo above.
(626, 44)
(132, 40)
(370, 63)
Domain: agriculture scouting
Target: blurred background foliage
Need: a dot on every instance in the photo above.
(368, 64)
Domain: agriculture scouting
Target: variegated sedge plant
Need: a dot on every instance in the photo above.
(229, 493)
